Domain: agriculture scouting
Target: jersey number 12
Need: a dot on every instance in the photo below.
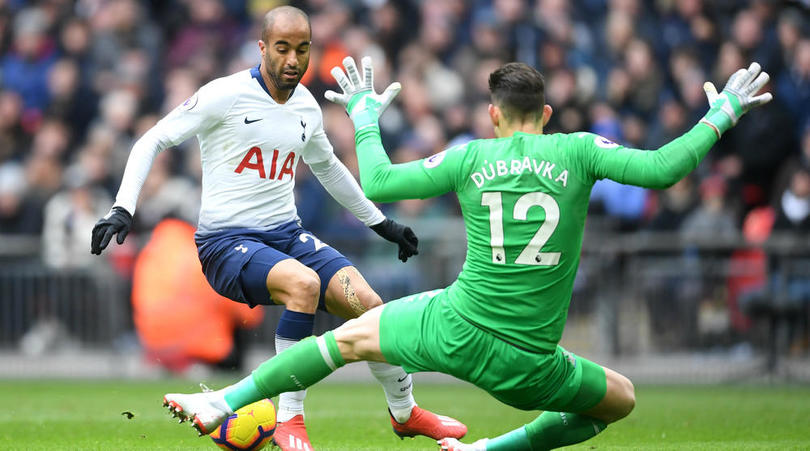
(531, 254)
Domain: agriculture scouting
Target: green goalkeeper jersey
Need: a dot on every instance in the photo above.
(524, 200)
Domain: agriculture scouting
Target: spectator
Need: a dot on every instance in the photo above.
(793, 207)
(43, 175)
(18, 215)
(25, 69)
(11, 134)
(71, 102)
(789, 33)
(790, 279)
(125, 49)
(645, 77)
(793, 87)
(752, 30)
(69, 217)
(673, 206)
(762, 145)
(671, 123)
(204, 40)
(51, 139)
(712, 221)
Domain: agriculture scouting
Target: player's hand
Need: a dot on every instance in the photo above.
(400, 234)
(737, 97)
(117, 221)
(361, 102)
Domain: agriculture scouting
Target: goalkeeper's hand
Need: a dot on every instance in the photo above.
(117, 221)
(400, 234)
(737, 97)
(363, 105)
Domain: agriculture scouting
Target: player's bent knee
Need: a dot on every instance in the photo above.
(301, 290)
(625, 399)
(306, 285)
(629, 398)
(369, 298)
(619, 400)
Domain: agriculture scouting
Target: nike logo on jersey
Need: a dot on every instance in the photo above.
(247, 121)
(402, 378)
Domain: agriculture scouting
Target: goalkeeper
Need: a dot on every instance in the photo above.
(524, 197)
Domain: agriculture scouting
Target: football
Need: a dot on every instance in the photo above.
(250, 427)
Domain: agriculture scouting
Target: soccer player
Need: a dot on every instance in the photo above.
(524, 197)
(253, 127)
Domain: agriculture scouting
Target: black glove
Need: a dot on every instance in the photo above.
(400, 234)
(119, 221)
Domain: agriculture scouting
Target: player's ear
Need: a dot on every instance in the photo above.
(546, 114)
(262, 47)
(494, 115)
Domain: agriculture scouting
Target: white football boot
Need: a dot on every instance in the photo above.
(206, 410)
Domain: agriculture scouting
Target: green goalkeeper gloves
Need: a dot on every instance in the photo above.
(737, 97)
(361, 102)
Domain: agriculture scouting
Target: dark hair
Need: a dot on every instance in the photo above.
(518, 89)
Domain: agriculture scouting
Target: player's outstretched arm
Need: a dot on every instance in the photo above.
(736, 99)
(667, 165)
(119, 220)
(342, 186)
(200, 112)
(381, 181)
(363, 105)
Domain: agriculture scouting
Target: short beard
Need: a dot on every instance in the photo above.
(282, 86)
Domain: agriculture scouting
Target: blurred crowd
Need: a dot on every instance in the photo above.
(81, 80)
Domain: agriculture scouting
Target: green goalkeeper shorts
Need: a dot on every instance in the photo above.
(423, 332)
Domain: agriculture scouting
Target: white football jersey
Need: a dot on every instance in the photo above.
(250, 146)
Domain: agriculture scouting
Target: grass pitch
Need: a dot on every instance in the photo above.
(88, 415)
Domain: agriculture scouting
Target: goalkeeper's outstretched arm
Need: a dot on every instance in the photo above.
(381, 181)
(666, 166)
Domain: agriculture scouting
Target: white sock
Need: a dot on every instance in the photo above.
(398, 388)
(291, 403)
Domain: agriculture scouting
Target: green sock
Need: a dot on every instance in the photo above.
(516, 440)
(242, 393)
(555, 429)
(298, 367)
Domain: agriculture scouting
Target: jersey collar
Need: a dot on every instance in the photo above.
(254, 72)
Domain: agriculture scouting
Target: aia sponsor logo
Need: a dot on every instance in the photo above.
(254, 161)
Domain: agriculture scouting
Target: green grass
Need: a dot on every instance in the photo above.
(87, 415)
